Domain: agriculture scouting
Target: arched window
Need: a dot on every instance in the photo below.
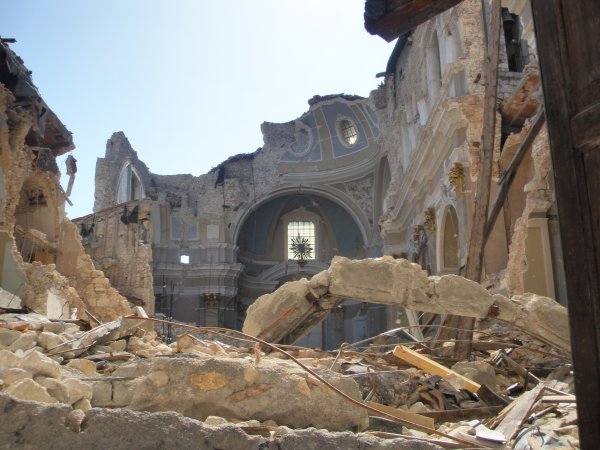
(348, 131)
(434, 68)
(130, 186)
(516, 48)
(450, 242)
(301, 240)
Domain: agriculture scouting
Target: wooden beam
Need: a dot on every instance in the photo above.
(432, 367)
(403, 415)
(476, 248)
(455, 415)
(509, 175)
(392, 18)
(584, 127)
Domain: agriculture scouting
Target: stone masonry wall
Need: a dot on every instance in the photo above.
(102, 300)
(122, 250)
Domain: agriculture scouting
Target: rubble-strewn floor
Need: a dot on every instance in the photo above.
(117, 385)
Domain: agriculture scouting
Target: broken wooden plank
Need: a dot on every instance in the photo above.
(486, 394)
(518, 411)
(521, 371)
(559, 399)
(404, 415)
(456, 415)
(432, 367)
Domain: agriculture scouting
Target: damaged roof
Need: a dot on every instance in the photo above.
(47, 131)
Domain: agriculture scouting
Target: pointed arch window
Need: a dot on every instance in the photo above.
(130, 187)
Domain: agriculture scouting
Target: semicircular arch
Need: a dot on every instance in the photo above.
(331, 194)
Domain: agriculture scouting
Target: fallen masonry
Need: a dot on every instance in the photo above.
(297, 306)
(117, 385)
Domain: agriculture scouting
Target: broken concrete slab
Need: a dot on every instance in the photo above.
(289, 310)
(238, 388)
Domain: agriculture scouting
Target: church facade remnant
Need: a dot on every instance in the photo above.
(391, 174)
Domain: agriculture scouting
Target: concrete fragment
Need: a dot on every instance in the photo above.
(8, 336)
(26, 341)
(74, 420)
(13, 374)
(10, 300)
(200, 388)
(8, 359)
(478, 371)
(54, 327)
(102, 393)
(54, 387)
(540, 316)
(122, 393)
(118, 346)
(40, 364)
(273, 316)
(215, 421)
(77, 390)
(83, 405)
(27, 389)
(85, 366)
(49, 340)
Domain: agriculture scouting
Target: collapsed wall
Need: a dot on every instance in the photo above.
(42, 262)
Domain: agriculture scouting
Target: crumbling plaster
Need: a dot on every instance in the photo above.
(422, 143)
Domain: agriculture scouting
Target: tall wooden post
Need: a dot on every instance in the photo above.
(567, 34)
(476, 248)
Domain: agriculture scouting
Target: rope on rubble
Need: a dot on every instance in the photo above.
(225, 332)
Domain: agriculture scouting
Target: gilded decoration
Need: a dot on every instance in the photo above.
(456, 178)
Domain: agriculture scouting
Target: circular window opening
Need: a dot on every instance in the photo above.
(348, 131)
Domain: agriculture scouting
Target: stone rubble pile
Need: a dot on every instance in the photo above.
(122, 372)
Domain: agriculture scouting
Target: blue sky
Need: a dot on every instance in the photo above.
(188, 81)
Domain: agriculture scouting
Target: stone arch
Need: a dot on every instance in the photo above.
(331, 194)
(262, 234)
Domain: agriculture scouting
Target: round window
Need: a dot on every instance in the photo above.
(348, 132)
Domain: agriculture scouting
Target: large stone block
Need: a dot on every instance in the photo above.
(383, 280)
(237, 388)
(40, 364)
(7, 336)
(279, 310)
(27, 389)
(56, 426)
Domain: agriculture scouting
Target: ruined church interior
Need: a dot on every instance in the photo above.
(341, 277)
